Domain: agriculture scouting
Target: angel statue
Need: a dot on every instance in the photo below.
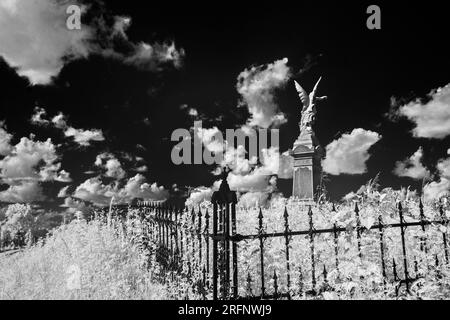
(309, 106)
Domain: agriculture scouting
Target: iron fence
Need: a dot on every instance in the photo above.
(203, 248)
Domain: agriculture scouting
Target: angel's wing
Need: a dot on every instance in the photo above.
(313, 93)
(302, 94)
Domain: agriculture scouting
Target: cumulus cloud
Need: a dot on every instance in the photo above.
(437, 189)
(95, 191)
(349, 153)
(75, 206)
(151, 57)
(32, 160)
(63, 192)
(5, 140)
(432, 119)
(84, 137)
(22, 192)
(80, 136)
(257, 86)
(137, 187)
(199, 195)
(27, 164)
(35, 40)
(412, 167)
(211, 139)
(38, 117)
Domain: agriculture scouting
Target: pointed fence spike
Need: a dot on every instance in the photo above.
(260, 215)
(286, 214)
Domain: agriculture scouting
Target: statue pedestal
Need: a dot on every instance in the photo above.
(307, 155)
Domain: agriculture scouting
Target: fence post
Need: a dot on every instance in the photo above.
(336, 242)
(261, 250)
(300, 280)
(358, 230)
(207, 239)
(249, 291)
(444, 234)
(215, 244)
(199, 235)
(224, 198)
(286, 240)
(275, 284)
(383, 265)
(423, 244)
(311, 244)
(234, 250)
(402, 230)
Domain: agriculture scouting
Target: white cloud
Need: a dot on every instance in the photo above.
(199, 195)
(444, 166)
(412, 167)
(137, 187)
(5, 140)
(80, 136)
(59, 121)
(349, 153)
(111, 164)
(27, 164)
(22, 192)
(94, 191)
(75, 206)
(63, 192)
(35, 40)
(432, 119)
(150, 57)
(141, 169)
(211, 139)
(437, 189)
(257, 85)
(84, 137)
(32, 160)
(38, 117)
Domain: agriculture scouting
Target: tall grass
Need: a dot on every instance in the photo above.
(80, 260)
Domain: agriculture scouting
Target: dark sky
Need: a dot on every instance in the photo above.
(362, 69)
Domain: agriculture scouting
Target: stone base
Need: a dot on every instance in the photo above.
(307, 155)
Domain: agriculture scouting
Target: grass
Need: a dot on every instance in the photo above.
(80, 260)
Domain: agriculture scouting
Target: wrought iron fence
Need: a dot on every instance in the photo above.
(203, 248)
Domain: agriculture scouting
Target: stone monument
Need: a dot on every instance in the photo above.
(307, 152)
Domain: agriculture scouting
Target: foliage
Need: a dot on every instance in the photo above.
(109, 265)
